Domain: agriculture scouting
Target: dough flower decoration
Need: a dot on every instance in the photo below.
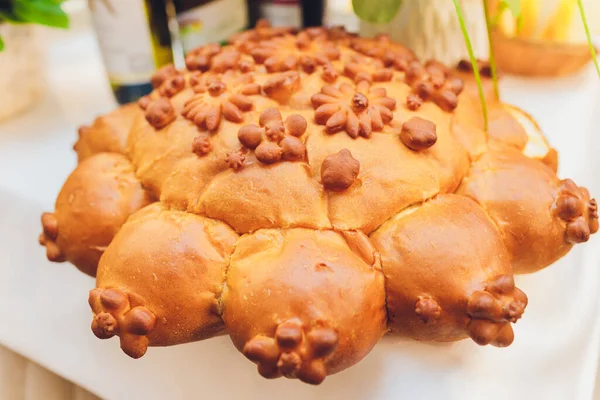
(215, 98)
(274, 139)
(287, 53)
(359, 110)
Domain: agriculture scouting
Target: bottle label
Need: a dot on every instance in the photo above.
(125, 40)
(214, 22)
(282, 13)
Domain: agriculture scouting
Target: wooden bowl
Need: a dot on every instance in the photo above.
(536, 58)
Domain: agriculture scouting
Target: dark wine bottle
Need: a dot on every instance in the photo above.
(209, 21)
(254, 14)
(312, 12)
(134, 40)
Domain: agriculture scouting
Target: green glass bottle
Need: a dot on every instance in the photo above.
(134, 40)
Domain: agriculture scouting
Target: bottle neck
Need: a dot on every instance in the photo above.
(185, 5)
(312, 12)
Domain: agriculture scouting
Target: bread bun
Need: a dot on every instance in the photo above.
(168, 267)
(93, 204)
(449, 236)
(302, 303)
(108, 133)
(540, 216)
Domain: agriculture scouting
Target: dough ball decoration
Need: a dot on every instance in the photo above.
(162, 74)
(413, 102)
(229, 60)
(275, 139)
(382, 48)
(160, 112)
(427, 309)
(593, 211)
(483, 66)
(282, 355)
(339, 171)
(432, 82)
(418, 134)
(371, 70)
(117, 314)
(492, 310)
(216, 59)
(226, 202)
(570, 206)
(172, 85)
(144, 102)
(48, 237)
(359, 110)
(280, 87)
(329, 74)
(200, 59)
(201, 145)
(235, 159)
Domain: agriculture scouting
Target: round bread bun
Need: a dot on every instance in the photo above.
(108, 133)
(91, 207)
(448, 236)
(272, 275)
(160, 281)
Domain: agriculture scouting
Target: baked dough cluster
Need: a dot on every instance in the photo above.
(306, 194)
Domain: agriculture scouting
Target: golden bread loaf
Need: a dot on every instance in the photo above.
(306, 194)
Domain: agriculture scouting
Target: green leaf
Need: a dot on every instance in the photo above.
(41, 12)
(589, 36)
(10, 17)
(1, 44)
(463, 28)
(488, 25)
(380, 13)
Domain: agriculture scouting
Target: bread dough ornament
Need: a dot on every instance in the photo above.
(307, 194)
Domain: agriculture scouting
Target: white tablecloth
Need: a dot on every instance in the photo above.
(44, 313)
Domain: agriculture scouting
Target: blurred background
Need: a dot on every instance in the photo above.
(135, 37)
(54, 80)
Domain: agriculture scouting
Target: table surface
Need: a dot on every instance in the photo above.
(45, 315)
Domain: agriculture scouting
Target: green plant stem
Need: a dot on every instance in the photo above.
(463, 27)
(589, 36)
(492, 56)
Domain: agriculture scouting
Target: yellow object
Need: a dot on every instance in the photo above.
(559, 26)
(530, 11)
(550, 20)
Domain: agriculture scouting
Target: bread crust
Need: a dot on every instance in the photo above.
(93, 204)
(173, 265)
(309, 284)
(108, 133)
(449, 236)
(527, 202)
